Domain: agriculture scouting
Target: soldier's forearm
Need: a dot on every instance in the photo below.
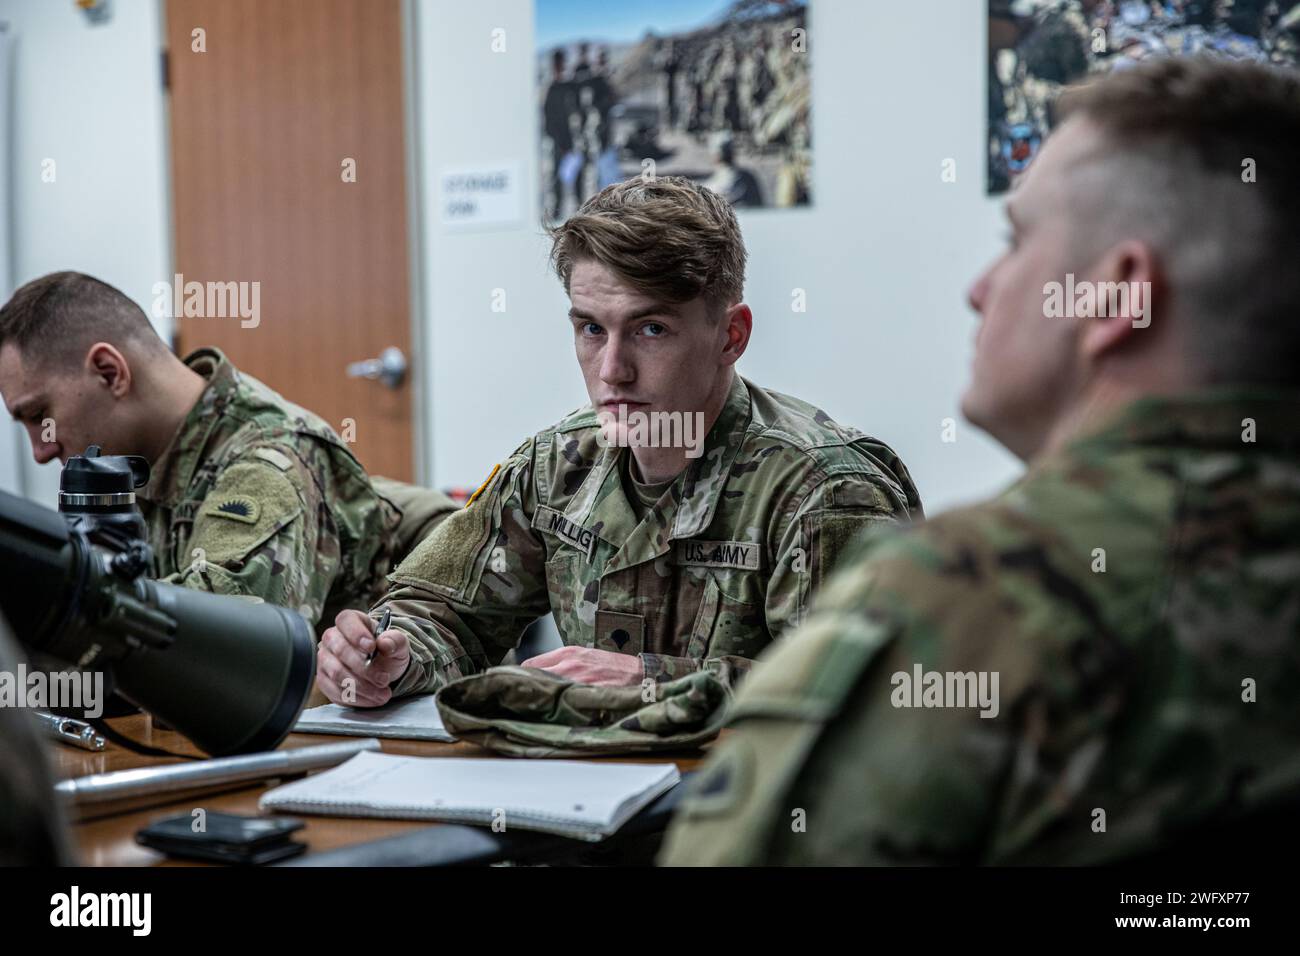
(221, 580)
(433, 664)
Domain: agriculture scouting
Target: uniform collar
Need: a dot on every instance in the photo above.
(707, 475)
(173, 472)
(600, 502)
(1214, 418)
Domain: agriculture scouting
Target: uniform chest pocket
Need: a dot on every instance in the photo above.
(726, 625)
(572, 590)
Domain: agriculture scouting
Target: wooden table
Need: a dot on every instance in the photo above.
(110, 840)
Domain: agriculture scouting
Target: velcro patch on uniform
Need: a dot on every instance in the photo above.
(832, 537)
(746, 555)
(554, 522)
(235, 507)
(272, 457)
(260, 502)
(621, 633)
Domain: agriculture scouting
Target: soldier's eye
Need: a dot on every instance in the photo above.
(653, 329)
(590, 328)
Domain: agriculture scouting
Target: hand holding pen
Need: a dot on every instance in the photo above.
(358, 662)
(383, 626)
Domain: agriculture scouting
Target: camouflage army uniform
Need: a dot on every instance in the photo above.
(1119, 690)
(258, 497)
(723, 563)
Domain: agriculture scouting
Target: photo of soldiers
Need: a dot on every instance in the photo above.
(722, 96)
(1038, 47)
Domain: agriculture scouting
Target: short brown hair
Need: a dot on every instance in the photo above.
(57, 317)
(1179, 132)
(667, 237)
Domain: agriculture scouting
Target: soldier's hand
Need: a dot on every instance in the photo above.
(341, 671)
(588, 665)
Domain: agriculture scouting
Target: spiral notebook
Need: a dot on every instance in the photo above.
(574, 798)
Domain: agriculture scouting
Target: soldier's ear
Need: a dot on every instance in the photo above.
(110, 368)
(1126, 280)
(738, 323)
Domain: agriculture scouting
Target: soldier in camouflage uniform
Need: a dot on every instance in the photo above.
(1136, 595)
(258, 497)
(649, 576)
(250, 495)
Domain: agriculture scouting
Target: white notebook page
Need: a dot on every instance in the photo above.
(413, 718)
(587, 799)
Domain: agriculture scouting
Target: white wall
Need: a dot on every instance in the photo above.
(885, 256)
(90, 98)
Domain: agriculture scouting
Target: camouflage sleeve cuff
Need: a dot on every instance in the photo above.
(662, 668)
(432, 663)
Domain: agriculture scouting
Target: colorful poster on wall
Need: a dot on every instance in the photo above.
(716, 90)
(1037, 47)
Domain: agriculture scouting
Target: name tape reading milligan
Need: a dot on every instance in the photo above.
(745, 555)
(554, 522)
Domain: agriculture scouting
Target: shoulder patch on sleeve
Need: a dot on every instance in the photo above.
(272, 457)
(450, 560)
(830, 534)
(861, 494)
(235, 507)
(249, 502)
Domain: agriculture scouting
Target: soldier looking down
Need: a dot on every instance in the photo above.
(249, 495)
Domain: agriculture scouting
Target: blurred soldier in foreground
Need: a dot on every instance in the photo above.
(680, 522)
(32, 829)
(1099, 663)
(249, 495)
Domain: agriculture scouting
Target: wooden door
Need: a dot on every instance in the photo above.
(268, 121)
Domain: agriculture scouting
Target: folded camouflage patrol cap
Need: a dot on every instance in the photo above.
(527, 712)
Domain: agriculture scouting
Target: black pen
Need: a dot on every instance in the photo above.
(383, 626)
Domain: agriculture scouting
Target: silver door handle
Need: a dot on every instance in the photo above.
(389, 368)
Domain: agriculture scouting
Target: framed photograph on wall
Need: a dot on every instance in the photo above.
(1038, 47)
(716, 90)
